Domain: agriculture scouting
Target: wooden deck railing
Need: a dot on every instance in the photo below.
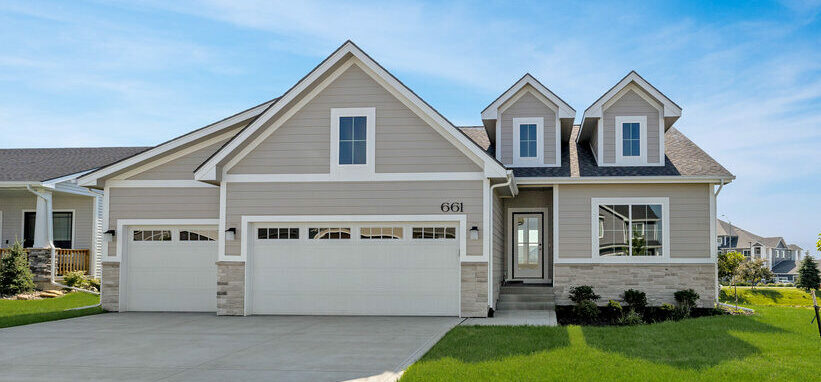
(68, 260)
(72, 260)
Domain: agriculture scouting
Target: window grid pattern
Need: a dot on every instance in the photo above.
(197, 236)
(527, 141)
(387, 233)
(631, 139)
(152, 235)
(353, 141)
(630, 230)
(277, 233)
(329, 233)
(434, 232)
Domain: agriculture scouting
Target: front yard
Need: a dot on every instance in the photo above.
(23, 312)
(777, 343)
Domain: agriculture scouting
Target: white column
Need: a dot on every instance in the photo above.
(43, 232)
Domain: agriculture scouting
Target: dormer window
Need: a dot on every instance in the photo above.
(631, 140)
(353, 136)
(528, 141)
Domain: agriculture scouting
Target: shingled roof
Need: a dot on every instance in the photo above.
(37, 165)
(682, 158)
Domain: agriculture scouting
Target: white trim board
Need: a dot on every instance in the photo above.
(51, 223)
(208, 171)
(377, 177)
(518, 160)
(343, 171)
(492, 110)
(124, 223)
(621, 159)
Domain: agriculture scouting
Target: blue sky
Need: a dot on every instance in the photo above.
(138, 73)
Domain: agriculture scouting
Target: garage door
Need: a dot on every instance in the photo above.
(171, 268)
(355, 269)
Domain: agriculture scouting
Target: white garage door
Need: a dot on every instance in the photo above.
(355, 269)
(171, 269)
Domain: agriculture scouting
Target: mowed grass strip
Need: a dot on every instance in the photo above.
(23, 312)
(718, 348)
(764, 296)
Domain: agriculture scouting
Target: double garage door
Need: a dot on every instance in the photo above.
(344, 268)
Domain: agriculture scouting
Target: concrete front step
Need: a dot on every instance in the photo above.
(527, 297)
(520, 289)
(519, 305)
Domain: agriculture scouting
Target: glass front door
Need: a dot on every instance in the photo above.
(528, 254)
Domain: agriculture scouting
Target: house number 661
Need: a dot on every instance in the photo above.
(452, 207)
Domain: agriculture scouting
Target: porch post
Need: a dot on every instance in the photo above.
(43, 233)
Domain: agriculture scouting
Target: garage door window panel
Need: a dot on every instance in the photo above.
(381, 233)
(434, 233)
(194, 235)
(329, 233)
(286, 233)
(152, 235)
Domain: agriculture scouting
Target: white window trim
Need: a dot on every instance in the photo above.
(539, 159)
(665, 219)
(622, 160)
(73, 226)
(369, 167)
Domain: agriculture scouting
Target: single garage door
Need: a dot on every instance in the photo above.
(171, 268)
(355, 269)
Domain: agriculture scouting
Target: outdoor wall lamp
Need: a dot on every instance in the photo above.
(230, 234)
(110, 235)
(474, 233)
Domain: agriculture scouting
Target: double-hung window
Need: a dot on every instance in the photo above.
(630, 228)
(631, 140)
(528, 141)
(353, 143)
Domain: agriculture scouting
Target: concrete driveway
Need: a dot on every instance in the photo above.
(202, 347)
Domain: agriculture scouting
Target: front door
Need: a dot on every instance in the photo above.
(528, 253)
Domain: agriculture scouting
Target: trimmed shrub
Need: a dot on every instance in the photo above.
(583, 293)
(586, 311)
(614, 311)
(15, 275)
(686, 300)
(636, 299)
(631, 318)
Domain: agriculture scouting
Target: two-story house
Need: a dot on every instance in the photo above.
(349, 194)
(781, 259)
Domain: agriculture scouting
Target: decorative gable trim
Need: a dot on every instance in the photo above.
(492, 110)
(210, 170)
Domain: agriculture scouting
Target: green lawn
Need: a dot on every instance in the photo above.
(20, 312)
(767, 296)
(777, 343)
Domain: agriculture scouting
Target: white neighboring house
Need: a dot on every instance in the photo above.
(782, 259)
(36, 183)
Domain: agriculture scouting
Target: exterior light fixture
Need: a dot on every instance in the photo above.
(474, 233)
(110, 235)
(230, 234)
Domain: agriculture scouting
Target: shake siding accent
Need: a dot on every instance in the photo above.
(180, 168)
(351, 198)
(13, 203)
(404, 142)
(498, 245)
(160, 203)
(689, 216)
(525, 107)
(631, 104)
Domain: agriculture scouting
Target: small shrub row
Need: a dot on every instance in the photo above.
(587, 312)
(80, 280)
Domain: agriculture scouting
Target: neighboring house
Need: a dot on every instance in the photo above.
(37, 182)
(782, 259)
(349, 194)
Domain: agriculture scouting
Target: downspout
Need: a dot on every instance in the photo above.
(508, 183)
(54, 250)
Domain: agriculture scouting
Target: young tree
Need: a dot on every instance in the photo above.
(728, 263)
(754, 271)
(808, 277)
(15, 275)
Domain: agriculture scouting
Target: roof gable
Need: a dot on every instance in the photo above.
(491, 111)
(211, 170)
(670, 110)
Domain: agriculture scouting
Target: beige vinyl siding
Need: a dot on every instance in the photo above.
(498, 245)
(528, 106)
(404, 142)
(689, 216)
(594, 142)
(181, 168)
(160, 203)
(83, 207)
(351, 198)
(13, 203)
(630, 104)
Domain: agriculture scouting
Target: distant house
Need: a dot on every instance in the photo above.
(781, 258)
(37, 182)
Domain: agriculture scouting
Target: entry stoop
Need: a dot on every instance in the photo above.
(526, 297)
